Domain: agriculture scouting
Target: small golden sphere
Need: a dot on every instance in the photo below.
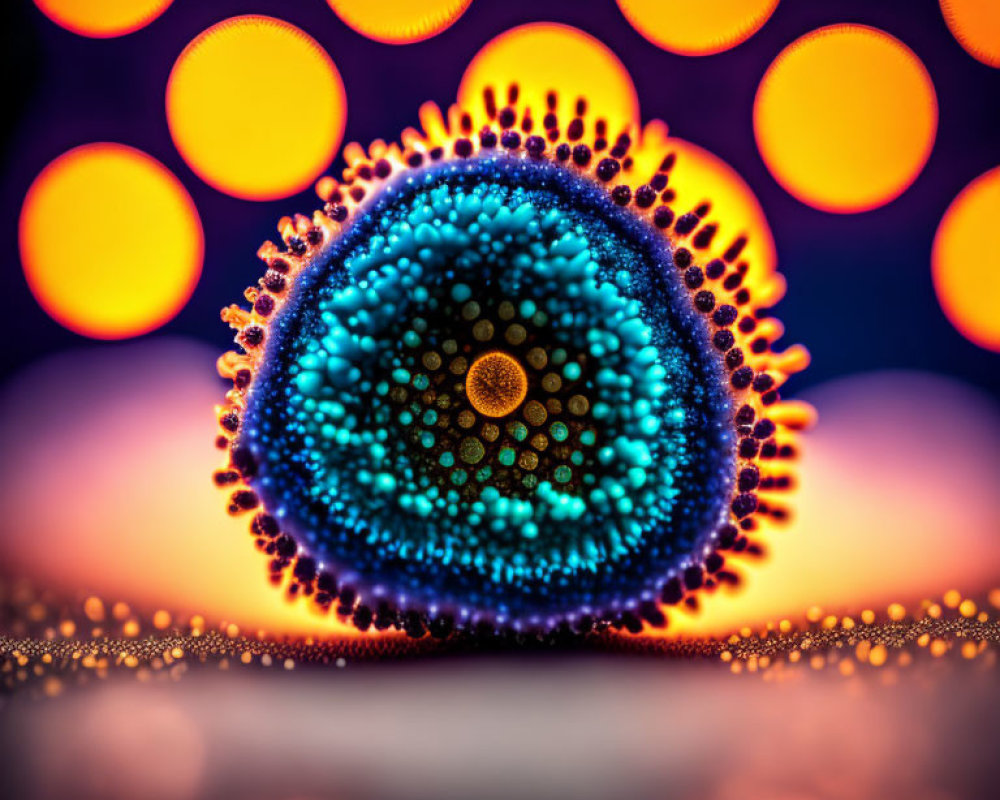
(496, 384)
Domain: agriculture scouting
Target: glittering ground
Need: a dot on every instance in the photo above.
(46, 648)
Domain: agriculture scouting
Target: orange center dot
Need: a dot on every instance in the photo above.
(496, 384)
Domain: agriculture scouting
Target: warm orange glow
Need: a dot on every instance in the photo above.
(111, 243)
(399, 21)
(496, 384)
(966, 261)
(976, 26)
(102, 19)
(845, 118)
(256, 107)
(697, 29)
(546, 56)
(699, 176)
(111, 495)
(881, 515)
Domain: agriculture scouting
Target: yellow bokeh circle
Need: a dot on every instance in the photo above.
(845, 118)
(111, 243)
(976, 26)
(544, 56)
(256, 107)
(966, 261)
(697, 29)
(399, 21)
(102, 19)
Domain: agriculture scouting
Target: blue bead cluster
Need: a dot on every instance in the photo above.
(613, 472)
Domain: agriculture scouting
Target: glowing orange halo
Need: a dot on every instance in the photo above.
(966, 261)
(845, 118)
(256, 107)
(975, 24)
(399, 21)
(697, 29)
(102, 19)
(111, 242)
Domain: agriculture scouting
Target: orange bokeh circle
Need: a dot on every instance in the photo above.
(399, 21)
(102, 19)
(545, 56)
(845, 118)
(256, 107)
(965, 261)
(111, 242)
(697, 29)
(976, 26)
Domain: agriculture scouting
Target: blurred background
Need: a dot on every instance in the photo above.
(148, 151)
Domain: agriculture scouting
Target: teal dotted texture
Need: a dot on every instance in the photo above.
(612, 474)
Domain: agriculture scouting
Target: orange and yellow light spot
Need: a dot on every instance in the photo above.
(399, 21)
(546, 56)
(697, 29)
(102, 19)
(976, 26)
(256, 107)
(845, 118)
(111, 243)
(699, 176)
(966, 261)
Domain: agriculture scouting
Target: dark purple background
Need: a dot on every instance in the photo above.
(860, 293)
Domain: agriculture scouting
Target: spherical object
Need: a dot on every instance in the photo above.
(976, 26)
(496, 384)
(845, 118)
(399, 21)
(966, 261)
(102, 19)
(256, 107)
(700, 29)
(543, 57)
(496, 398)
(111, 243)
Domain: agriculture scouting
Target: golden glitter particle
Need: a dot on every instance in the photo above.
(483, 330)
(539, 441)
(579, 405)
(506, 310)
(450, 346)
(459, 365)
(466, 418)
(497, 384)
(94, 609)
(470, 310)
(527, 460)
(537, 358)
(431, 360)
(535, 413)
(491, 432)
(551, 382)
(161, 619)
(471, 450)
(553, 405)
(516, 334)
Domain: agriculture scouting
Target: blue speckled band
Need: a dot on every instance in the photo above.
(612, 473)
